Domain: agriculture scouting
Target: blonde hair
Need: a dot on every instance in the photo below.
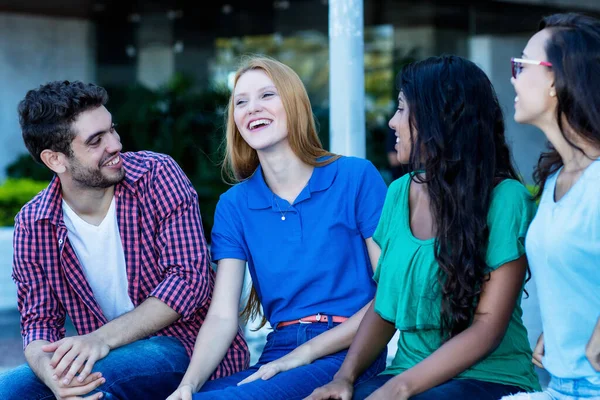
(241, 160)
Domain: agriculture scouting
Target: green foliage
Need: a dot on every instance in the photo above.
(26, 167)
(14, 194)
(533, 189)
(187, 124)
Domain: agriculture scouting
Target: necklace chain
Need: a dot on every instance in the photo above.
(282, 212)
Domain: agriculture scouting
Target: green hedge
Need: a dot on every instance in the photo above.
(14, 193)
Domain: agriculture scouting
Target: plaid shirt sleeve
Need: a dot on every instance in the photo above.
(42, 315)
(184, 254)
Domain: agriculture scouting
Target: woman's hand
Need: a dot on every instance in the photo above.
(391, 390)
(538, 352)
(592, 350)
(340, 389)
(300, 356)
(183, 392)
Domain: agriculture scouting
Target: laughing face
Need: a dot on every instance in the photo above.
(95, 161)
(258, 111)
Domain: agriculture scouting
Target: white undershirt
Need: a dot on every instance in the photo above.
(100, 253)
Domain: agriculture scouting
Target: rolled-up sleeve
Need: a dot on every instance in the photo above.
(183, 250)
(42, 315)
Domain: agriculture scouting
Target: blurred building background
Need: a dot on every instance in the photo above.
(168, 67)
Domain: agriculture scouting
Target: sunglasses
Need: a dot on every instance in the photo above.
(517, 65)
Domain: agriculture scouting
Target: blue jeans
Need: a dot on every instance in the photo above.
(289, 385)
(463, 389)
(563, 389)
(146, 369)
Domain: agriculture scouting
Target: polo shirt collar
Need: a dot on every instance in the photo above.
(261, 197)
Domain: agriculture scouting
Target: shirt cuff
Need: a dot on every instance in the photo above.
(235, 254)
(182, 297)
(50, 335)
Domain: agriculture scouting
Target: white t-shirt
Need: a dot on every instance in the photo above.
(563, 249)
(100, 253)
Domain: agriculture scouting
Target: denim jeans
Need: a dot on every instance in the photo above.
(563, 389)
(289, 385)
(146, 369)
(454, 389)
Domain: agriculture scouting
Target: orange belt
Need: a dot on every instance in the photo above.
(312, 318)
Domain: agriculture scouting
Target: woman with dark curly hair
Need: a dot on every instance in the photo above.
(453, 265)
(557, 81)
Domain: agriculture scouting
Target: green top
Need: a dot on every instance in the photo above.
(408, 292)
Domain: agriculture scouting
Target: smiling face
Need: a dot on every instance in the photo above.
(259, 113)
(536, 100)
(95, 161)
(400, 123)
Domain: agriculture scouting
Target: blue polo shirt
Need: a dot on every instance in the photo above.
(316, 260)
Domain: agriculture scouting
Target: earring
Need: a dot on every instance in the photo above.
(552, 93)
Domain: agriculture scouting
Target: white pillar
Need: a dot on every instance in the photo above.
(156, 58)
(346, 78)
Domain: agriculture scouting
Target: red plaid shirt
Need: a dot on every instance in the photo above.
(165, 253)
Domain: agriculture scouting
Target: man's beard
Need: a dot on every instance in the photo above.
(93, 177)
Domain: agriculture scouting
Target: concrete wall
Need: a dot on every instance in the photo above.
(492, 54)
(33, 51)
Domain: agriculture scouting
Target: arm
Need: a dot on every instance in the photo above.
(219, 327)
(592, 350)
(80, 353)
(183, 263)
(489, 325)
(39, 362)
(42, 316)
(329, 342)
(538, 352)
(372, 337)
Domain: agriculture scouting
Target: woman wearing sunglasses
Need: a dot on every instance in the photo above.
(557, 84)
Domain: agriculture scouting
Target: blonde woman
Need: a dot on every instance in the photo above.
(302, 218)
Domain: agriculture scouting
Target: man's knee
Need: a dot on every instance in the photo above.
(20, 383)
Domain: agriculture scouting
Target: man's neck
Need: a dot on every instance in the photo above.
(89, 204)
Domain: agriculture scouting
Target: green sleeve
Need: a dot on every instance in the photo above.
(383, 227)
(511, 211)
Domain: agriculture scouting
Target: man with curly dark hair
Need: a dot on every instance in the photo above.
(116, 243)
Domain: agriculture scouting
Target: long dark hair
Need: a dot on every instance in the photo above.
(574, 51)
(457, 132)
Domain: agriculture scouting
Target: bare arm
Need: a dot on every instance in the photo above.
(372, 337)
(491, 319)
(80, 353)
(341, 336)
(219, 327)
(329, 342)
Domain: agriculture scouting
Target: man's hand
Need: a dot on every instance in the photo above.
(77, 390)
(538, 352)
(76, 354)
